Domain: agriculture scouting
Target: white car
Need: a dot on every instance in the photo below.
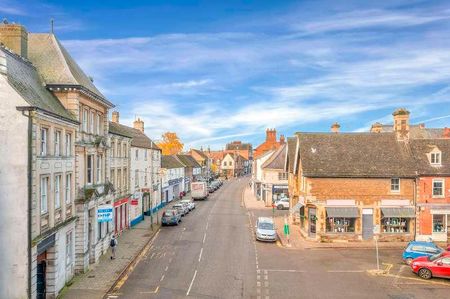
(189, 203)
(282, 203)
(265, 229)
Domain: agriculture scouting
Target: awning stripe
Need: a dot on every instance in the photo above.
(405, 212)
(347, 212)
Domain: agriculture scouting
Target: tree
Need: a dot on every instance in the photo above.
(170, 144)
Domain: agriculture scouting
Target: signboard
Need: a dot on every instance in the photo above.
(104, 213)
(134, 202)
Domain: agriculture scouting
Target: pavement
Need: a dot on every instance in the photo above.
(101, 277)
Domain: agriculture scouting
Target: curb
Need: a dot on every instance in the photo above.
(127, 270)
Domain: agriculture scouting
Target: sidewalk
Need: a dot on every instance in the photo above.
(102, 276)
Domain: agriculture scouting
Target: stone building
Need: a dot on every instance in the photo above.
(233, 165)
(192, 170)
(274, 179)
(203, 160)
(244, 149)
(37, 190)
(172, 174)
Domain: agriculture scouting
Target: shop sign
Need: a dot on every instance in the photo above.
(134, 202)
(104, 213)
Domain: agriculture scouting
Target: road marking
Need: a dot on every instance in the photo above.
(207, 223)
(162, 277)
(192, 282)
(204, 238)
(151, 292)
(200, 256)
(287, 270)
(153, 254)
(417, 279)
(167, 267)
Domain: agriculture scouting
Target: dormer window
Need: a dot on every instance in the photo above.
(435, 158)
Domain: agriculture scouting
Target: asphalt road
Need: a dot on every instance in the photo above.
(213, 254)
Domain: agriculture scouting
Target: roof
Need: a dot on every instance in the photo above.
(418, 131)
(234, 156)
(216, 155)
(57, 67)
(277, 159)
(421, 147)
(139, 138)
(170, 162)
(188, 161)
(24, 78)
(291, 148)
(200, 153)
(354, 155)
(239, 146)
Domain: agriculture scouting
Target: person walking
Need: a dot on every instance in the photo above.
(113, 243)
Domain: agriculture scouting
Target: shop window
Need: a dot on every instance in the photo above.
(395, 185)
(395, 225)
(438, 188)
(340, 225)
(439, 223)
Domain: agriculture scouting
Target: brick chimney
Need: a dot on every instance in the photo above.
(139, 124)
(271, 135)
(376, 128)
(446, 132)
(115, 117)
(335, 127)
(14, 37)
(282, 139)
(401, 123)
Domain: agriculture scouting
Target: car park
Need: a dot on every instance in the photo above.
(417, 249)
(282, 203)
(437, 265)
(265, 229)
(190, 204)
(170, 217)
(180, 208)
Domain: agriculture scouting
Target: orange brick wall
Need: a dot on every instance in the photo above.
(426, 191)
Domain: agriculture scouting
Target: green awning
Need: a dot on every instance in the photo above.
(405, 212)
(342, 212)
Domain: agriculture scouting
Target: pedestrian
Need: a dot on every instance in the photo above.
(113, 243)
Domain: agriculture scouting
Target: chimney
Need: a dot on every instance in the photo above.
(139, 125)
(271, 135)
(401, 123)
(446, 133)
(376, 128)
(14, 37)
(282, 140)
(422, 126)
(335, 127)
(115, 117)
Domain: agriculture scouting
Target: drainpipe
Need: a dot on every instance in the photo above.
(415, 205)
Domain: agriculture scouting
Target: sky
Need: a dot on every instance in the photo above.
(218, 71)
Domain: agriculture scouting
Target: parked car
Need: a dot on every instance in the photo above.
(417, 249)
(170, 217)
(282, 203)
(211, 189)
(265, 229)
(190, 204)
(182, 209)
(437, 265)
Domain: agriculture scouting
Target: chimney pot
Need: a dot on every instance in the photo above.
(115, 117)
(401, 123)
(335, 127)
(139, 125)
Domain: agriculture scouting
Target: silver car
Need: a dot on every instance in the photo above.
(190, 204)
(265, 229)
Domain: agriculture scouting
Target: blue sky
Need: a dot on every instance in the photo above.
(217, 71)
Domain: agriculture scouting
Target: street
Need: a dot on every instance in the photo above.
(213, 254)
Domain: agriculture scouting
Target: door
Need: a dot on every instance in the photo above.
(442, 267)
(312, 222)
(40, 276)
(367, 224)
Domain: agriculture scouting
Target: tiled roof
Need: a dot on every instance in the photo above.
(56, 66)
(291, 148)
(277, 159)
(24, 78)
(189, 161)
(200, 153)
(169, 162)
(418, 132)
(421, 147)
(354, 155)
(139, 138)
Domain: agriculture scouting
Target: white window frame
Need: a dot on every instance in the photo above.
(90, 170)
(44, 194)
(435, 158)
(442, 181)
(44, 141)
(68, 190)
(395, 190)
(68, 144)
(57, 191)
(99, 169)
(69, 248)
(57, 143)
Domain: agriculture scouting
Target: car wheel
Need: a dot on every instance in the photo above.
(425, 273)
(408, 261)
(280, 207)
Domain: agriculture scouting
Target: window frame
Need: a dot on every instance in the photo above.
(85, 120)
(44, 141)
(393, 190)
(444, 224)
(44, 194)
(89, 169)
(91, 122)
(57, 191)
(99, 167)
(68, 144)
(434, 157)
(69, 247)
(68, 189)
(442, 181)
(57, 143)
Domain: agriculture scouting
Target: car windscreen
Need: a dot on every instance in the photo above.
(169, 213)
(265, 225)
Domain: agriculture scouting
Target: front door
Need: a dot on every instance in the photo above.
(367, 224)
(312, 222)
(40, 276)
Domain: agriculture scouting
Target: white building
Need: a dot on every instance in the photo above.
(257, 173)
(274, 179)
(173, 175)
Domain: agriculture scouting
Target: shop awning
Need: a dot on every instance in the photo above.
(405, 212)
(342, 212)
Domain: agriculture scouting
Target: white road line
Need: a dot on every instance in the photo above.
(162, 277)
(192, 282)
(153, 254)
(207, 223)
(200, 256)
(167, 267)
(282, 270)
(204, 238)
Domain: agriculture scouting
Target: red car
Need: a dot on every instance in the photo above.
(437, 265)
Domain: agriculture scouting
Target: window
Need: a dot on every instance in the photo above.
(435, 158)
(136, 178)
(137, 154)
(145, 177)
(119, 179)
(231, 163)
(57, 192)
(44, 198)
(125, 154)
(439, 225)
(68, 144)
(99, 234)
(395, 185)
(113, 145)
(113, 181)
(85, 120)
(125, 179)
(44, 141)
(438, 188)
(98, 125)
(90, 172)
(282, 176)
(68, 192)
(99, 168)
(340, 225)
(119, 150)
(224, 163)
(395, 225)
(91, 123)
(57, 143)
(69, 248)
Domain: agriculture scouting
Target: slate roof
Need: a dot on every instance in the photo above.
(169, 162)
(421, 147)
(139, 138)
(291, 148)
(416, 132)
(24, 78)
(56, 66)
(189, 161)
(277, 159)
(354, 155)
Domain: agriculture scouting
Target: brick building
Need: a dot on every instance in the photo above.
(270, 143)
(243, 149)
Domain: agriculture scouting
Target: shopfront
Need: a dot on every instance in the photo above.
(440, 224)
(279, 192)
(121, 214)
